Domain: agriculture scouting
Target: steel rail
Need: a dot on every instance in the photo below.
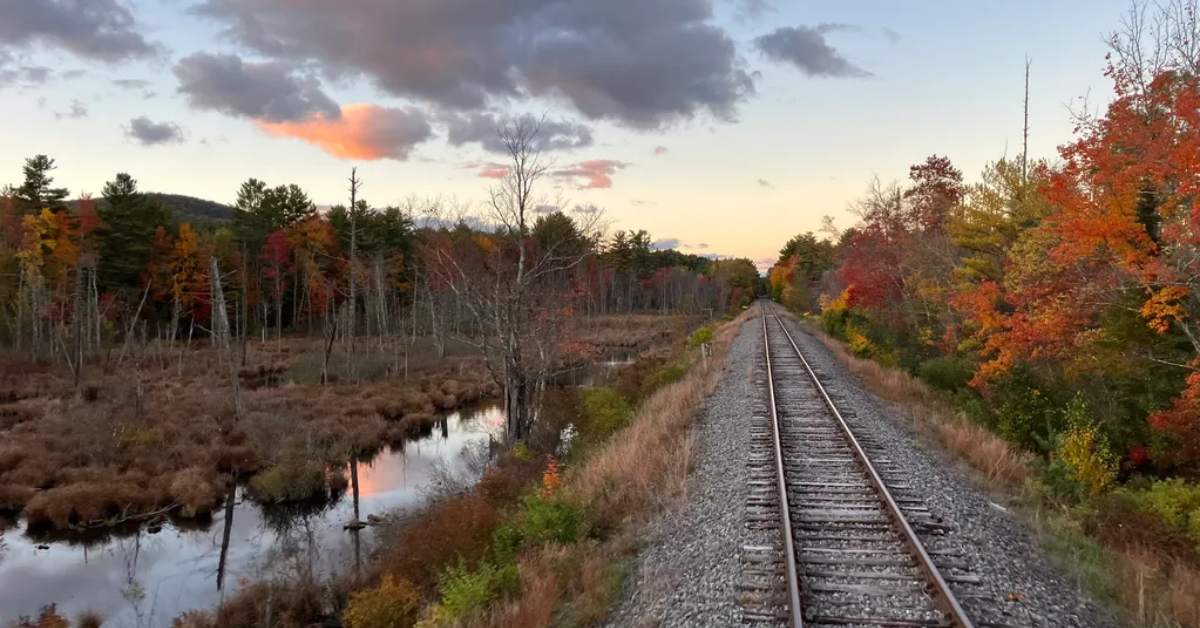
(785, 512)
(944, 597)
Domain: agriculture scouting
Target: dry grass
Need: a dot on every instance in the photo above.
(645, 466)
(1002, 464)
(163, 433)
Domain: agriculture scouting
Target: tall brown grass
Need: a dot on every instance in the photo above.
(636, 473)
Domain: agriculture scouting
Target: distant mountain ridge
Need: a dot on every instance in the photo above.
(188, 208)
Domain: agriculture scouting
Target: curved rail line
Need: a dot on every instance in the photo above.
(869, 557)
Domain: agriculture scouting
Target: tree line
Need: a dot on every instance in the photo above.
(83, 280)
(1060, 301)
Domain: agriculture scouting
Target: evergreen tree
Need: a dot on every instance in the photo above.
(37, 192)
(126, 235)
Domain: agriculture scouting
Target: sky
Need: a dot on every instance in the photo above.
(722, 127)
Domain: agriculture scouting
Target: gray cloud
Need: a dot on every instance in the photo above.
(131, 83)
(763, 183)
(641, 64)
(806, 48)
(77, 110)
(150, 133)
(482, 128)
(752, 9)
(268, 91)
(665, 243)
(97, 29)
(890, 35)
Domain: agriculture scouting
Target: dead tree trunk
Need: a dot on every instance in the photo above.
(220, 325)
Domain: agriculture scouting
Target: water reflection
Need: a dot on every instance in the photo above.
(146, 579)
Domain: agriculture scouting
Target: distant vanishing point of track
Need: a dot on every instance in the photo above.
(850, 555)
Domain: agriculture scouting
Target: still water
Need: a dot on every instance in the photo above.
(144, 579)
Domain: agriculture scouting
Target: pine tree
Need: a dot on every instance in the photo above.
(37, 192)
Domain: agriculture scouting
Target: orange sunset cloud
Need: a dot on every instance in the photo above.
(363, 131)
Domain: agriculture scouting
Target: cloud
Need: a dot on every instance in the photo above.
(665, 243)
(641, 64)
(890, 35)
(360, 131)
(483, 128)
(77, 110)
(702, 245)
(660, 151)
(131, 83)
(488, 169)
(267, 91)
(12, 74)
(150, 133)
(748, 10)
(805, 47)
(595, 174)
(97, 29)
(764, 183)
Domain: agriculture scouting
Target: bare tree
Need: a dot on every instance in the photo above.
(515, 288)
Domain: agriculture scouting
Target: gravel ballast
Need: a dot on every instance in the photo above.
(689, 564)
(688, 567)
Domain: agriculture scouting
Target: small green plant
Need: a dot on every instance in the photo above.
(392, 604)
(949, 372)
(1174, 502)
(666, 374)
(466, 592)
(701, 336)
(550, 520)
(604, 412)
(289, 482)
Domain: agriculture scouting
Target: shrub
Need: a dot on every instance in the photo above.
(392, 604)
(550, 520)
(666, 374)
(949, 372)
(1174, 503)
(289, 482)
(47, 618)
(456, 529)
(13, 497)
(465, 593)
(1084, 452)
(701, 336)
(194, 492)
(604, 411)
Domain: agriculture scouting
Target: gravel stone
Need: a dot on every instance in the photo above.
(688, 565)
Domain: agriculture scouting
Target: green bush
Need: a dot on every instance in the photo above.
(604, 412)
(701, 336)
(290, 482)
(666, 374)
(1023, 413)
(465, 592)
(540, 520)
(550, 520)
(949, 372)
(1175, 502)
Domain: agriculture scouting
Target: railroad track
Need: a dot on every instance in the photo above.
(845, 549)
